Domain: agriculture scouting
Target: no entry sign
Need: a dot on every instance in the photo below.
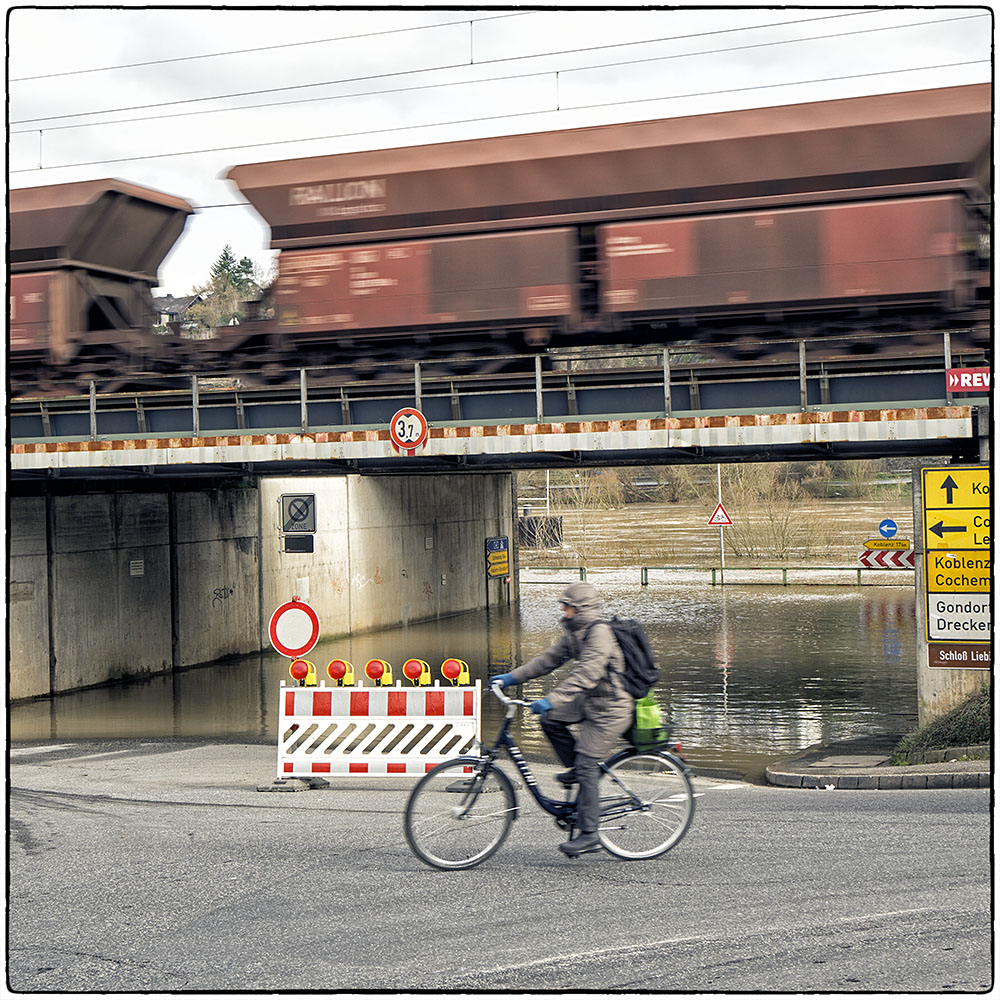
(294, 628)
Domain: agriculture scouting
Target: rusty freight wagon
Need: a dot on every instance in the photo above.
(83, 259)
(796, 218)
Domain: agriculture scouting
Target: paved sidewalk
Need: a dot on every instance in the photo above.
(865, 763)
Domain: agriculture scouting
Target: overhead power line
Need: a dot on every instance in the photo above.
(521, 114)
(489, 62)
(489, 79)
(267, 48)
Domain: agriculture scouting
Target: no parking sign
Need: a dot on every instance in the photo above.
(294, 628)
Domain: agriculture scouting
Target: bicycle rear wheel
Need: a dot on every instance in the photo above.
(459, 813)
(647, 804)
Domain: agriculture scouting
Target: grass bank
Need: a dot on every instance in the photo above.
(967, 725)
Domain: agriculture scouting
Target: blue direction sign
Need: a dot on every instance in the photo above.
(497, 556)
(887, 528)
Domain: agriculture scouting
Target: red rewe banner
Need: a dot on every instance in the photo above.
(968, 379)
(886, 559)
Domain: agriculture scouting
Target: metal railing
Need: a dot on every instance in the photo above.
(663, 381)
(718, 575)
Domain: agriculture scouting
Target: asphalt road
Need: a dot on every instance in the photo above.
(159, 867)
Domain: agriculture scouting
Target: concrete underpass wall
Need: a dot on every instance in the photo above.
(387, 550)
(28, 600)
(217, 575)
(105, 586)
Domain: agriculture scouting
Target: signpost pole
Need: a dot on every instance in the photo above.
(722, 549)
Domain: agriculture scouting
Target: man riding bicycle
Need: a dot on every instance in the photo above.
(591, 695)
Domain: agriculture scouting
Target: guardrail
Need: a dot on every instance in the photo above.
(718, 575)
(669, 381)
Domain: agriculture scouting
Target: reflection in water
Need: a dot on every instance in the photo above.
(750, 674)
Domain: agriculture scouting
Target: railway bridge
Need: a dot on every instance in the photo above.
(149, 528)
(667, 406)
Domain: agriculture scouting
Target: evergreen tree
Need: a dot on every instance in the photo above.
(232, 284)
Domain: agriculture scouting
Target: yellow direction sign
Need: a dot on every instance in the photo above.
(957, 557)
(956, 508)
(959, 486)
(958, 572)
(887, 543)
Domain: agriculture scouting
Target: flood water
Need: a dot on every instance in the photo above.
(750, 673)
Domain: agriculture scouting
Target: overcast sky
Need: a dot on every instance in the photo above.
(166, 99)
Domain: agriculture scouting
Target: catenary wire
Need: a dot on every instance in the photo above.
(270, 48)
(470, 83)
(486, 118)
(485, 62)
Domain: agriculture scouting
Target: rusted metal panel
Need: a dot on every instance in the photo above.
(29, 311)
(928, 140)
(103, 224)
(478, 279)
(898, 249)
(905, 247)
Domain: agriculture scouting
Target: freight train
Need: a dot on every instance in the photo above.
(864, 214)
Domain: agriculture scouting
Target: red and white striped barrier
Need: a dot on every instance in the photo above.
(887, 559)
(345, 730)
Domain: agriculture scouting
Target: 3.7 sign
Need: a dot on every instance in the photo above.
(408, 430)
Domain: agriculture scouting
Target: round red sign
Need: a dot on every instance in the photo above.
(294, 628)
(408, 429)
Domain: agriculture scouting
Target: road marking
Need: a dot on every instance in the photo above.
(26, 751)
(92, 756)
(603, 952)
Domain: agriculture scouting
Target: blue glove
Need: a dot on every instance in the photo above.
(504, 680)
(542, 705)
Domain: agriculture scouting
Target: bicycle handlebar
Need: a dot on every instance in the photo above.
(498, 691)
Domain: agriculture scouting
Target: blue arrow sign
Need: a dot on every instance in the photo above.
(887, 528)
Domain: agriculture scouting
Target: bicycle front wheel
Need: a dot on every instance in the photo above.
(459, 813)
(647, 804)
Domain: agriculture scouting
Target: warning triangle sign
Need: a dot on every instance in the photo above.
(720, 516)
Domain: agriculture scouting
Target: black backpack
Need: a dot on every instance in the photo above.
(641, 669)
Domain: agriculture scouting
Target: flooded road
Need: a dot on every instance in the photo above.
(750, 673)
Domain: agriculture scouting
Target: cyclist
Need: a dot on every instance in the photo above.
(591, 695)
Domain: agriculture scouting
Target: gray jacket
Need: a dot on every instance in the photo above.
(590, 693)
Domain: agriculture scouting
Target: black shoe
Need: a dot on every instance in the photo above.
(567, 778)
(584, 844)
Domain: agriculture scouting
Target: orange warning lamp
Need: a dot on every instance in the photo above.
(417, 672)
(341, 671)
(456, 670)
(303, 672)
(379, 671)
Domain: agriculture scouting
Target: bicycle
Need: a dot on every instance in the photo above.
(461, 811)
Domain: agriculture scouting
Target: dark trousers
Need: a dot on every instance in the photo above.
(588, 805)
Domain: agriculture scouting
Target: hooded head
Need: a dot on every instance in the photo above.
(584, 599)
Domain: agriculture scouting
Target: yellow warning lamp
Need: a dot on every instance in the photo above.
(379, 671)
(303, 672)
(417, 672)
(341, 671)
(455, 671)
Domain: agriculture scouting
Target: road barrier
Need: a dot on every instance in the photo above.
(383, 730)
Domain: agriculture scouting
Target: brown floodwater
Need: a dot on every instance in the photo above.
(751, 673)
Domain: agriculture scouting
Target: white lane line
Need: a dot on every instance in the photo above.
(26, 751)
(92, 756)
(602, 952)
